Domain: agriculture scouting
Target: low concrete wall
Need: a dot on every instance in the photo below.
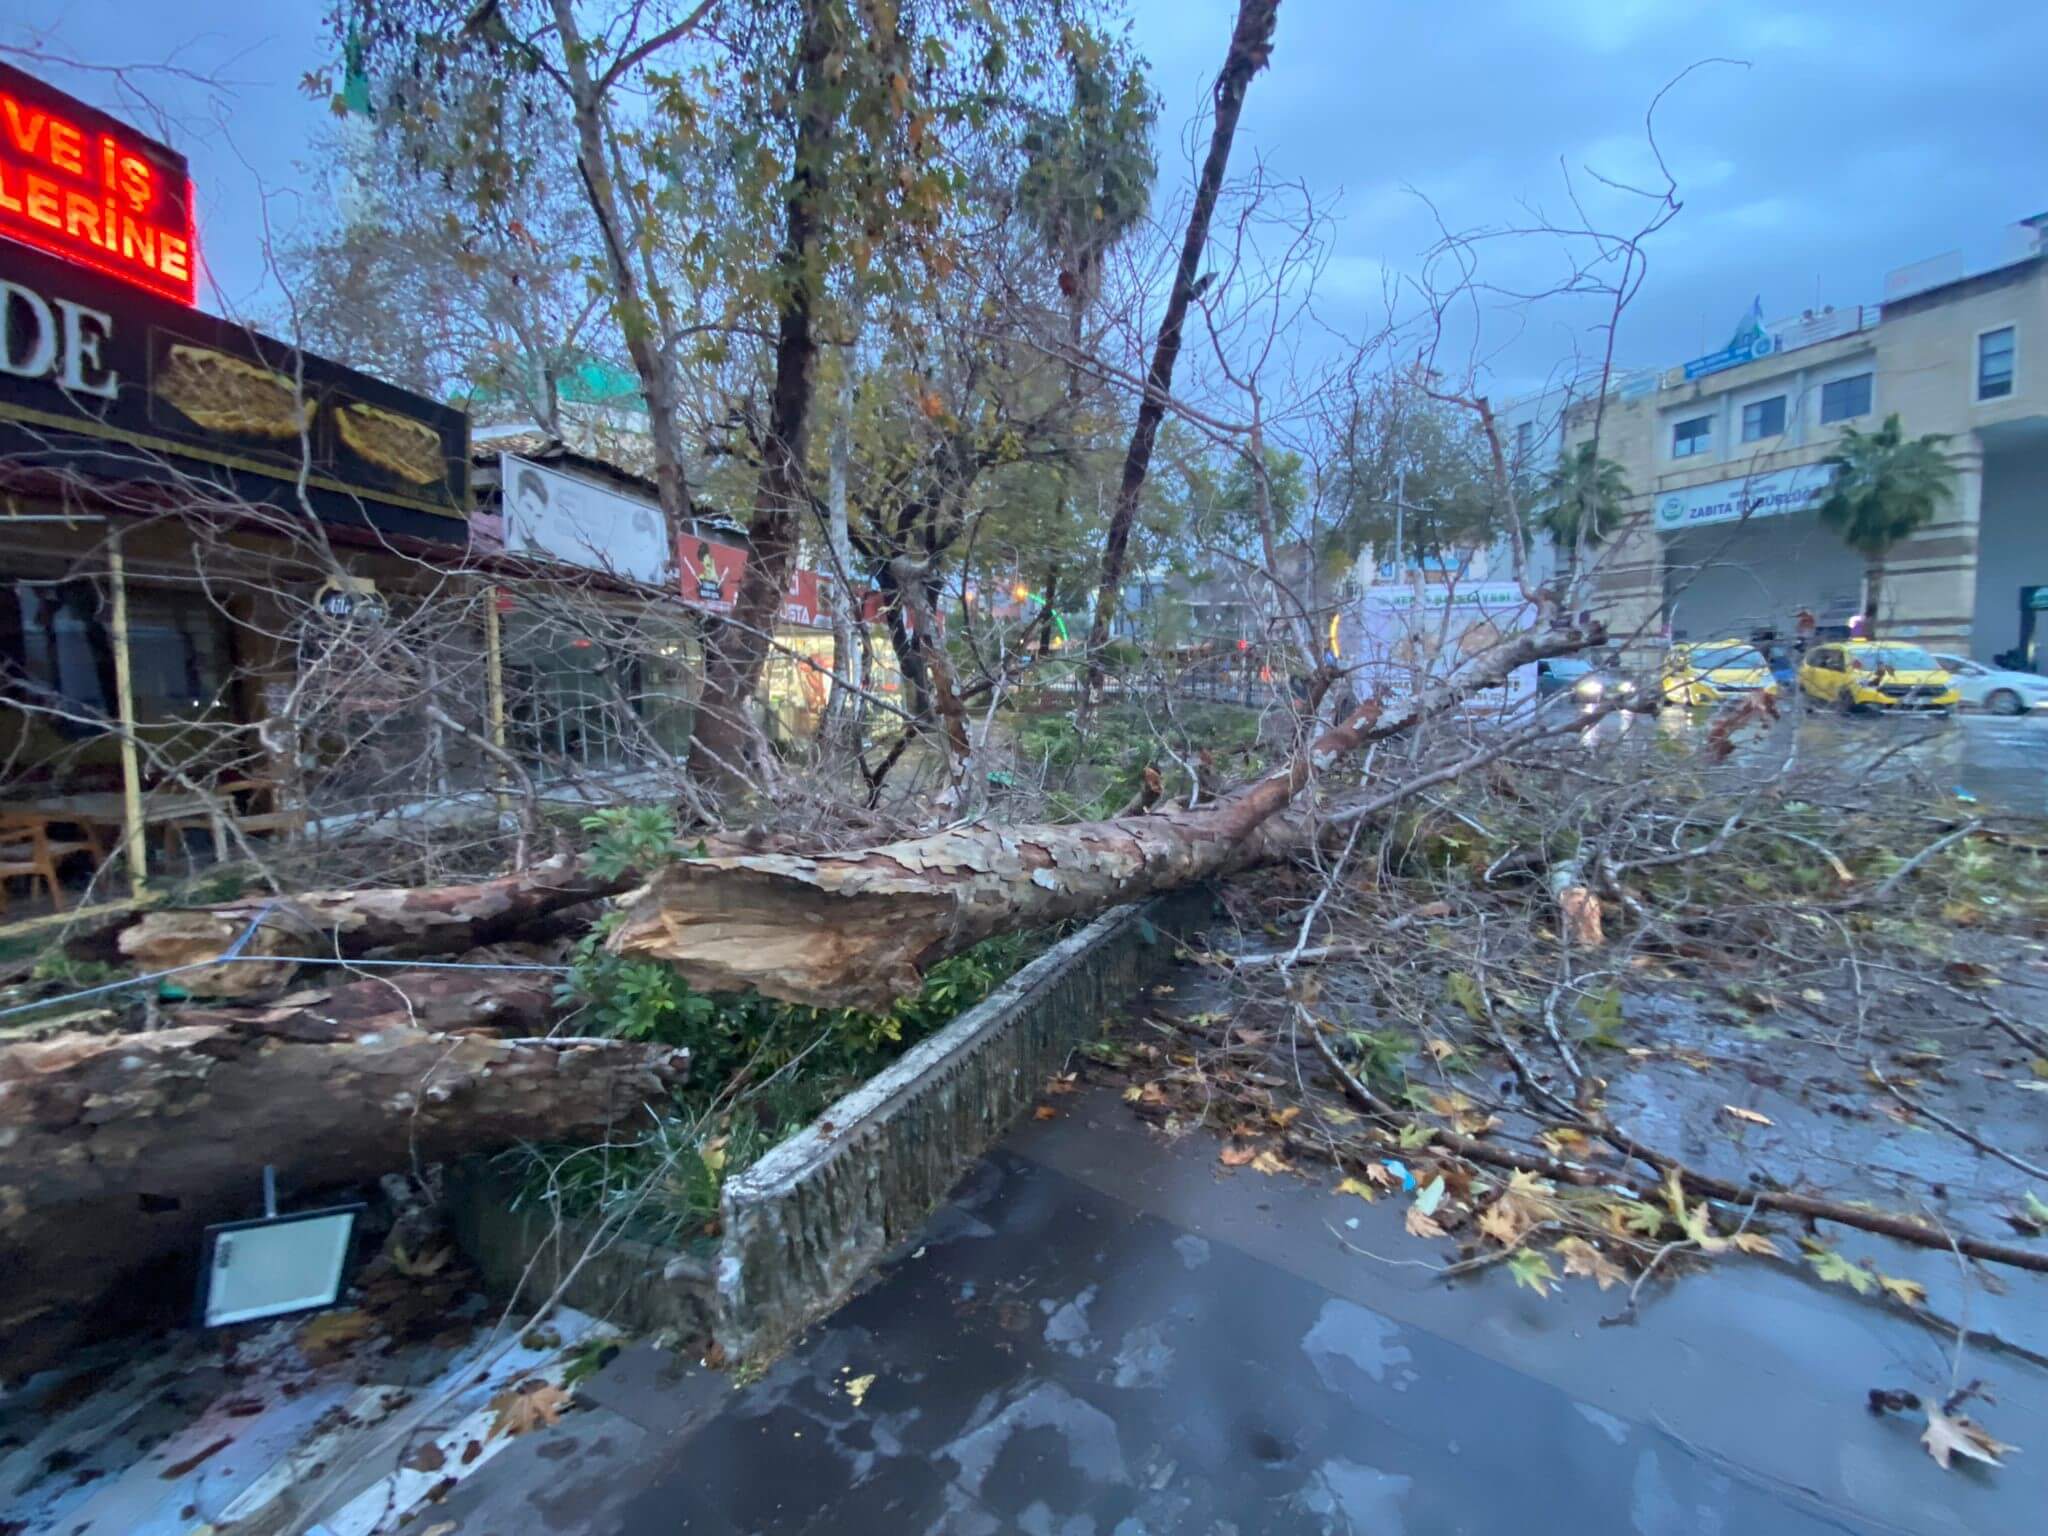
(808, 1220)
(802, 1225)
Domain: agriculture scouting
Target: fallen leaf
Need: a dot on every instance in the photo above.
(1464, 992)
(1063, 1082)
(1414, 1137)
(1430, 1196)
(1502, 1222)
(1950, 1434)
(857, 1388)
(1438, 1049)
(1749, 1115)
(1911, 1292)
(528, 1406)
(1045, 1112)
(1336, 1116)
(1285, 1117)
(1420, 1225)
(1134, 1093)
(1832, 1267)
(1381, 1175)
(1236, 1156)
(330, 1333)
(1582, 1258)
(1271, 1162)
(428, 1458)
(1532, 1269)
(418, 1269)
(1758, 1244)
(1360, 1188)
(1563, 1141)
(1813, 995)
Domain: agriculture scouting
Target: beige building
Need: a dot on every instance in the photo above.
(1726, 454)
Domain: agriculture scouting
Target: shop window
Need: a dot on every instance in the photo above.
(1525, 441)
(1692, 437)
(1994, 364)
(1763, 418)
(1845, 399)
(57, 651)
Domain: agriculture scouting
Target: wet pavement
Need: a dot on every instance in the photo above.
(1105, 1334)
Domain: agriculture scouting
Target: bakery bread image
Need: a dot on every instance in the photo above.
(398, 445)
(228, 394)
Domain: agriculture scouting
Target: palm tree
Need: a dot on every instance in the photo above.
(1886, 487)
(1581, 503)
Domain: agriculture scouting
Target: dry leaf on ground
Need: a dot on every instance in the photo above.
(1951, 1434)
(1756, 1243)
(330, 1333)
(1360, 1188)
(1582, 1258)
(1045, 1112)
(530, 1405)
(1235, 1155)
(1745, 1114)
(1421, 1225)
(1911, 1292)
(1269, 1162)
(857, 1388)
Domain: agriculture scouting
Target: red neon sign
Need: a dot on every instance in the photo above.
(85, 186)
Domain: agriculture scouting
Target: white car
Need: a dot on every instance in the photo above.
(1989, 688)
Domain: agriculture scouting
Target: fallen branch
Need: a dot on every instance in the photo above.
(1791, 1204)
(1920, 1108)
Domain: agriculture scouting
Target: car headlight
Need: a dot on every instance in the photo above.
(1589, 688)
(1625, 688)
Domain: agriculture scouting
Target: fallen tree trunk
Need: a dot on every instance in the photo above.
(858, 929)
(399, 922)
(121, 1149)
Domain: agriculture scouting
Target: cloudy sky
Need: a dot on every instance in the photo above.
(1841, 141)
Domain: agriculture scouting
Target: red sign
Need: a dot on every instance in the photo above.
(86, 187)
(803, 601)
(711, 572)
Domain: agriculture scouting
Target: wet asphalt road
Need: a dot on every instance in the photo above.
(1104, 1334)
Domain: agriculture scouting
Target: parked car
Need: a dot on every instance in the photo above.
(1994, 688)
(1708, 671)
(1883, 675)
(1591, 681)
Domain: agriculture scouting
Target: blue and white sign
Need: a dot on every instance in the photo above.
(1750, 342)
(1780, 492)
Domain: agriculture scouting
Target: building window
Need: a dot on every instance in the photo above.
(1525, 439)
(1843, 399)
(1692, 437)
(1763, 418)
(57, 655)
(1994, 364)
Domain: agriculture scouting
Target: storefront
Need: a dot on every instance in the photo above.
(212, 542)
(1747, 555)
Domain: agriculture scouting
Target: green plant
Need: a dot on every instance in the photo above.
(1582, 502)
(1886, 488)
(633, 837)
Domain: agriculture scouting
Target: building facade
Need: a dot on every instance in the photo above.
(1726, 458)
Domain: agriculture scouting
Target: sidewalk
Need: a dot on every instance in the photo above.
(1103, 1333)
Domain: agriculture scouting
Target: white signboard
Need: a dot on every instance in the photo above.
(1727, 501)
(560, 517)
(1404, 636)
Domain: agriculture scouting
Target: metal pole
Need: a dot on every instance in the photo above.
(494, 676)
(135, 840)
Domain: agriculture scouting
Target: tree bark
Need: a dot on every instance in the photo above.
(398, 922)
(122, 1149)
(733, 661)
(1251, 45)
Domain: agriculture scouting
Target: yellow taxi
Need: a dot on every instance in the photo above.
(1708, 671)
(1875, 674)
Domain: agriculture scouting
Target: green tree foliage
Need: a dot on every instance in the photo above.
(1886, 487)
(1582, 502)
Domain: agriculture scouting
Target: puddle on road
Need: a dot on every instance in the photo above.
(1347, 1341)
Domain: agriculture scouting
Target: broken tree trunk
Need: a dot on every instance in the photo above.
(122, 1149)
(436, 920)
(858, 929)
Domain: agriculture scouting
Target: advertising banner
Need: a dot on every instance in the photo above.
(561, 517)
(711, 571)
(1400, 640)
